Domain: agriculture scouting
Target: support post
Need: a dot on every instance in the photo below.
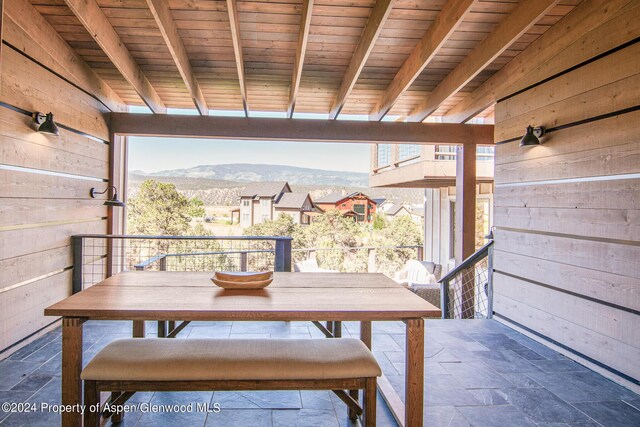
(465, 201)
(466, 222)
(490, 283)
(283, 254)
(78, 255)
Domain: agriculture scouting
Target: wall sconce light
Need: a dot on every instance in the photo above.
(532, 136)
(490, 235)
(46, 124)
(113, 201)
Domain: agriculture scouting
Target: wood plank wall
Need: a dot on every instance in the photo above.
(44, 181)
(567, 213)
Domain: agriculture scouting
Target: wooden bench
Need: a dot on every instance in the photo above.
(129, 365)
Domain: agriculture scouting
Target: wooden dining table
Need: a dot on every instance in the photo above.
(190, 296)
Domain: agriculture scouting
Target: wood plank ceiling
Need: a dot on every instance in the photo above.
(350, 51)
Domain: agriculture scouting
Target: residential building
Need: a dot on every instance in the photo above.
(433, 168)
(265, 201)
(357, 205)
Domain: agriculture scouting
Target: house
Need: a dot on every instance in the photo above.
(382, 205)
(357, 205)
(265, 201)
(397, 210)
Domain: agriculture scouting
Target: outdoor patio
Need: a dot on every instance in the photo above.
(477, 372)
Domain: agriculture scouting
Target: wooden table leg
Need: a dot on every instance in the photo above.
(71, 369)
(138, 329)
(365, 333)
(414, 373)
(365, 337)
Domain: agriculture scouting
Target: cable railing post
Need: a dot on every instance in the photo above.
(78, 255)
(283, 254)
(243, 261)
(163, 263)
(490, 283)
(444, 298)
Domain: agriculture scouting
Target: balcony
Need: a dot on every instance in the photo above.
(426, 166)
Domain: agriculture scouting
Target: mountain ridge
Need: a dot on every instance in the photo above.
(252, 172)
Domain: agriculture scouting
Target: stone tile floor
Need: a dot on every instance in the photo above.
(477, 373)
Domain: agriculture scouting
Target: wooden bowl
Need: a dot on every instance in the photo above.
(243, 276)
(258, 284)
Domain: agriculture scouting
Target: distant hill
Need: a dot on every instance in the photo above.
(244, 172)
(227, 193)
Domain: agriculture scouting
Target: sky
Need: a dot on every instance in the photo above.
(156, 154)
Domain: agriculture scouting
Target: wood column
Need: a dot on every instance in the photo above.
(414, 375)
(71, 368)
(465, 201)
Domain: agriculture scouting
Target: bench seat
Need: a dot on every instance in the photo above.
(129, 365)
(162, 359)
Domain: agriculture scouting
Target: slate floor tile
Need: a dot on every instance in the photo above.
(32, 383)
(505, 361)
(258, 399)
(559, 366)
(316, 399)
(475, 375)
(581, 386)
(633, 402)
(542, 406)
(240, 418)
(611, 413)
(444, 416)
(521, 380)
(14, 371)
(488, 396)
(495, 341)
(304, 417)
(495, 416)
(444, 390)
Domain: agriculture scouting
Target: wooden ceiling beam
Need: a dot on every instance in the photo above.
(48, 47)
(234, 22)
(525, 15)
(303, 36)
(448, 20)
(564, 40)
(92, 18)
(297, 130)
(378, 17)
(162, 15)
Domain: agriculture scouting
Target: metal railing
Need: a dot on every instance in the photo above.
(466, 292)
(98, 256)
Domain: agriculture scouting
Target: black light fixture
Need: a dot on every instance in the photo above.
(490, 235)
(113, 201)
(532, 136)
(46, 124)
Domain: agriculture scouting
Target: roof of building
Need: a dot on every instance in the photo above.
(379, 201)
(292, 200)
(393, 210)
(265, 189)
(417, 211)
(336, 197)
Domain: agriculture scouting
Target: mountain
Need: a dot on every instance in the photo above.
(244, 172)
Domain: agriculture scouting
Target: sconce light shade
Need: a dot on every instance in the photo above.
(46, 124)
(532, 136)
(490, 235)
(111, 201)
